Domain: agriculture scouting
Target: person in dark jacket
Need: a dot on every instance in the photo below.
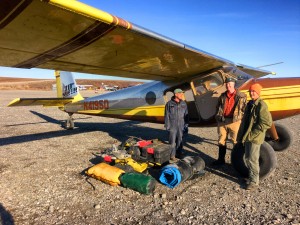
(176, 122)
(230, 111)
(256, 121)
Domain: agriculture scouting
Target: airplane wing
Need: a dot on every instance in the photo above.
(72, 36)
(59, 102)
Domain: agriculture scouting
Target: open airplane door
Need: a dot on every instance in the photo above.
(201, 95)
(206, 90)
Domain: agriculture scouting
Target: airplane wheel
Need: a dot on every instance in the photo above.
(267, 160)
(285, 138)
(69, 124)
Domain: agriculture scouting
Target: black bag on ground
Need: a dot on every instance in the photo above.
(185, 170)
(190, 166)
(197, 164)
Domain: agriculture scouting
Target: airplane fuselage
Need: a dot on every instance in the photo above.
(146, 102)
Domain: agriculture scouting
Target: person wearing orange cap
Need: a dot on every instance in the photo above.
(256, 121)
(230, 111)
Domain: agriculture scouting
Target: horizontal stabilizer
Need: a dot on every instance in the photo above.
(59, 102)
(255, 72)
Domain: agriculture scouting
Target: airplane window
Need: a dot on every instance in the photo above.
(169, 95)
(189, 97)
(204, 84)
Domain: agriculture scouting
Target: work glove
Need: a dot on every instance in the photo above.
(185, 129)
(220, 118)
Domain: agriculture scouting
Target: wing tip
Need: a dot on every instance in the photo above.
(14, 102)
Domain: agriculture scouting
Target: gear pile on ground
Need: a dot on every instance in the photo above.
(148, 154)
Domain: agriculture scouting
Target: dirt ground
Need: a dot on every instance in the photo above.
(42, 180)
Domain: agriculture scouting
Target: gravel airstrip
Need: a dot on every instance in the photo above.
(42, 177)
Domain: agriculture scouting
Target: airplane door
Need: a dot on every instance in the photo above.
(206, 92)
(192, 109)
(189, 99)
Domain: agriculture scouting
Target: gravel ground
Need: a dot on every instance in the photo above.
(41, 167)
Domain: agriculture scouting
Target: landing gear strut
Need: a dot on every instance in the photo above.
(69, 123)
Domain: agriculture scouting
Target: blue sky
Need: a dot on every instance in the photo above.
(251, 32)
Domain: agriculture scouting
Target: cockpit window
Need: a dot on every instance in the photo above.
(204, 84)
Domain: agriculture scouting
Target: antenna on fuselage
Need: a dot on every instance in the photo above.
(269, 65)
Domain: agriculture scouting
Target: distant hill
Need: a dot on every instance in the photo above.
(13, 83)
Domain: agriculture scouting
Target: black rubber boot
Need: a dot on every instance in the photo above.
(221, 159)
(179, 155)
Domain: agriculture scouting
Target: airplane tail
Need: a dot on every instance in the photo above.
(67, 92)
(66, 86)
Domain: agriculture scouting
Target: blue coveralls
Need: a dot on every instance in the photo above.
(176, 122)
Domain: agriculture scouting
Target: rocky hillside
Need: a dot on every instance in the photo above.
(10, 83)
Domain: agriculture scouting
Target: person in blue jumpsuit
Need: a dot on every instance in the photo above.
(176, 123)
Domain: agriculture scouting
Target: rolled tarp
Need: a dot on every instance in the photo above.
(170, 175)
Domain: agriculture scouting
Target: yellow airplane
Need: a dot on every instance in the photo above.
(71, 36)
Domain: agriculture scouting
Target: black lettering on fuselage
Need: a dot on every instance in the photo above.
(96, 105)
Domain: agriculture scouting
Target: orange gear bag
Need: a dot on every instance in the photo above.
(106, 173)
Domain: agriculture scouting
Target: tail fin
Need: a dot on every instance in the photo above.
(66, 86)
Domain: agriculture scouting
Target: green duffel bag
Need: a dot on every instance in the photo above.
(139, 182)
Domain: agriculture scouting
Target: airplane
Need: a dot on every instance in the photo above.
(72, 36)
(110, 88)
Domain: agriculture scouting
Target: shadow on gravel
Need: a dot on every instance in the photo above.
(120, 131)
(226, 171)
(47, 119)
(5, 217)
(39, 136)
